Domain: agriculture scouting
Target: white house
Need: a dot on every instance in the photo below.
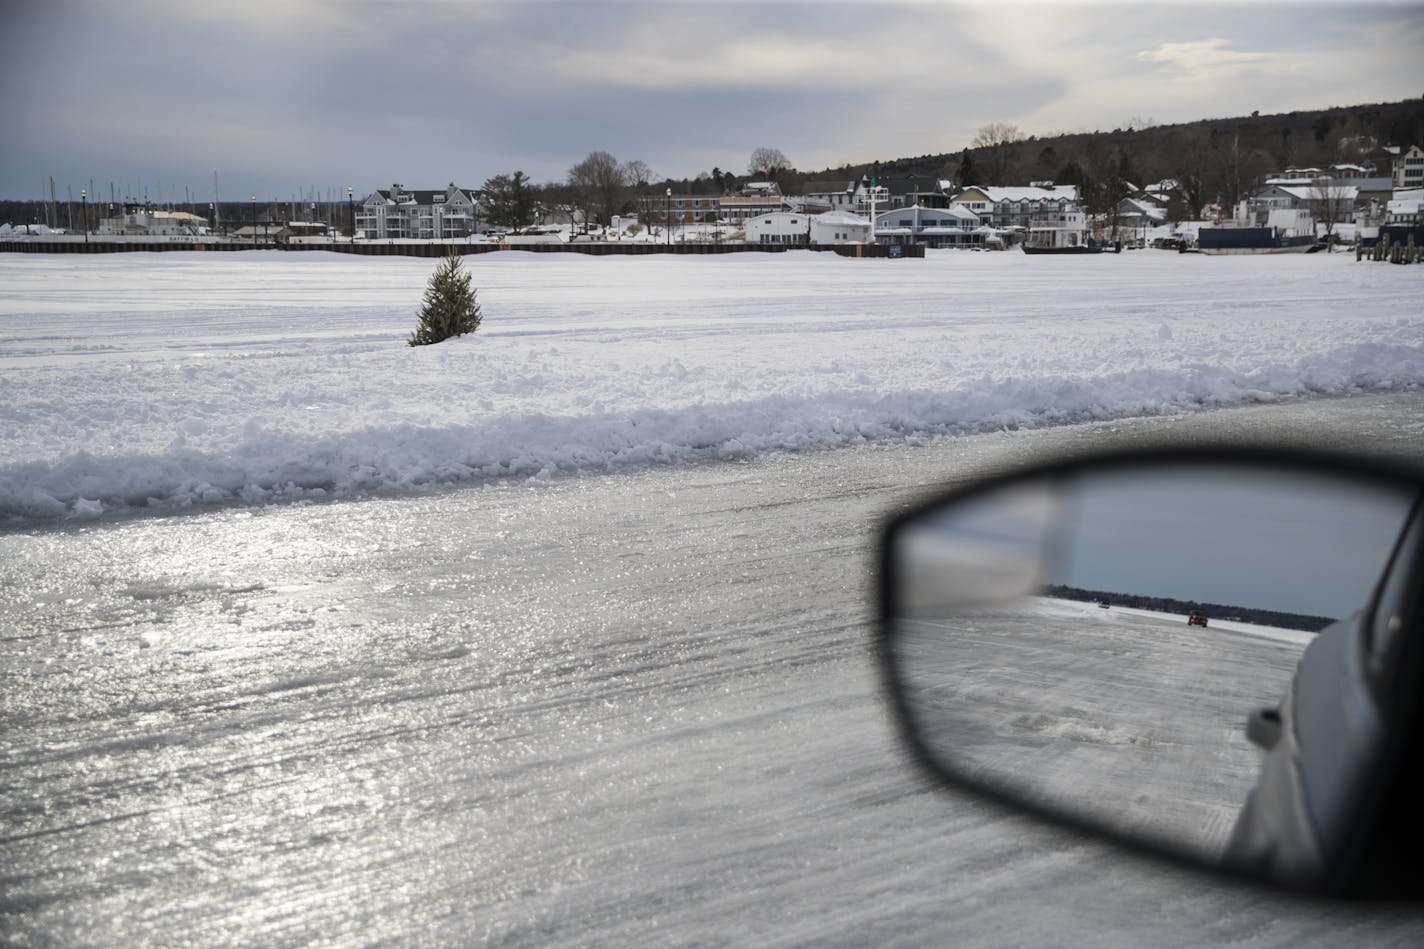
(1407, 207)
(779, 227)
(399, 213)
(1137, 216)
(933, 227)
(1037, 206)
(1300, 197)
(831, 195)
(839, 227)
(1409, 169)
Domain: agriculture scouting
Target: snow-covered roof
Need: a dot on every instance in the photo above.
(1147, 209)
(1335, 189)
(1027, 193)
(399, 194)
(1413, 205)
(928, 216)
(840, 217)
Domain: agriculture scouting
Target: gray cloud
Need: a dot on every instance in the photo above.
(280, 96)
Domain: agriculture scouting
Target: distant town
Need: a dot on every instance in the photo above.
(968, 204)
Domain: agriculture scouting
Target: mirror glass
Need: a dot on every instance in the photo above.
(1093, 643)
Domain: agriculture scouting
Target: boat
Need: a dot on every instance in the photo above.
(1284, 232)
(1052, 240)
(1252, 240)
(1088, 247)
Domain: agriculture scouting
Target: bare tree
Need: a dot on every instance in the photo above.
(766, 161)
(1329, 200)
(639, 175)
(993, 141)
(601, 183)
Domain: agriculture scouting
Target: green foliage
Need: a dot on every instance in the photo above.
(510, 200)
(449, 307)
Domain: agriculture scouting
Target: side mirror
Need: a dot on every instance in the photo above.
(1213, 656)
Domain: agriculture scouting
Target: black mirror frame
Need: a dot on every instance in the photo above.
(1395, 766)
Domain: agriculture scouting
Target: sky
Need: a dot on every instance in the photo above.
(281, 98)
(1277, 540)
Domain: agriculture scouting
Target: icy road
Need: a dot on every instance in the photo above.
(633, 709)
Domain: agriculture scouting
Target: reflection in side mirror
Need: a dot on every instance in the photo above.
(1123, 644)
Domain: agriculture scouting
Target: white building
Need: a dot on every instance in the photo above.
(839, 227)
(141, 222)
(933, 227)
(1409, 169)
(1138, 217)
(779, 227)
(1407, 207)
(1025, 207)
(402, 214)
(1259, 204)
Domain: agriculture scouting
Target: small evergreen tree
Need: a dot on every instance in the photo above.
(449, 307)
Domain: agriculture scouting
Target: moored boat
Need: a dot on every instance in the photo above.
(1059, 240)
(1283, 232)
(1252, 240)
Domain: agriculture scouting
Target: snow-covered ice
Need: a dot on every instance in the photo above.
(168, 380)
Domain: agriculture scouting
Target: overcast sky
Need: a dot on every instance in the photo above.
(281, 96)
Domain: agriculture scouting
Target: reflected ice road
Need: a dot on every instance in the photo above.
(618, 710)
(1131, 721)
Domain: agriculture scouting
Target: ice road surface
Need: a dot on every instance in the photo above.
(632, 710)
(166, 380)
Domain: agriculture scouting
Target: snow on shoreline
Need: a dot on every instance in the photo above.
(167, 380)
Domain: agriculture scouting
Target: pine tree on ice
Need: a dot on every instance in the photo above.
(449, 307)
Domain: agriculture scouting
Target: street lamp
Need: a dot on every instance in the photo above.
(84, 199)
(351, 213)
(668, 217)
(254, 220)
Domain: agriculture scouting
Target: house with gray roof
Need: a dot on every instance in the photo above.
(400, 213)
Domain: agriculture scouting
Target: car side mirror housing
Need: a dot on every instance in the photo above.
(1211, 655)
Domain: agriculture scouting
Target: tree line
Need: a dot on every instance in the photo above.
(1165, 604)
(1212, 160)
(601, 187)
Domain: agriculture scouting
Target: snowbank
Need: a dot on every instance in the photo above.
(167, 380)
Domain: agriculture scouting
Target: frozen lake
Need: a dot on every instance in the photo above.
(163, 381)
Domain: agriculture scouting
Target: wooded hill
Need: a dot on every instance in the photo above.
(1211, 159)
